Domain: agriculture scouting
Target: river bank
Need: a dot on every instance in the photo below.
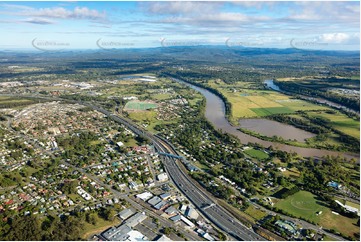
(216, 115)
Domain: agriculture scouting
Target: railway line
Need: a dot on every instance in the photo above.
(204, 202)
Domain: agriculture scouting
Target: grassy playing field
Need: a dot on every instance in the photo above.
(306, 205)
(302, 204)
(136, 105)
(257, 154)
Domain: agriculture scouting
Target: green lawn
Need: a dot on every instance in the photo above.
(143, 116)
(302, 204)
(130, 143)
(257, 154)
(149, 118)
(305, 205)
(255, 213)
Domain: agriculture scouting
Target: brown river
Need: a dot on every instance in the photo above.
(215, 113)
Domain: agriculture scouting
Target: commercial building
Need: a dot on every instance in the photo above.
(162, 177)
(126, 213)
(135, 219)
(191, 213)
(144, 196)
(154, 200)
(123, 233)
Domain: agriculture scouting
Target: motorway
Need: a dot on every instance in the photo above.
(215, 213)
(205, 203)
(167, 223)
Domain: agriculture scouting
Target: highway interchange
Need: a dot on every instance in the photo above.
(215, 213)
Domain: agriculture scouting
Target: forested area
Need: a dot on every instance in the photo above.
(79, 148)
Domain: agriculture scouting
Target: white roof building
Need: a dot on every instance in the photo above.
(162, 177)
(163, 238)
(120, 143)
(191, 213)
(144, 196)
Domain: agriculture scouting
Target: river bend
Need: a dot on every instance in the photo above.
(215, 114)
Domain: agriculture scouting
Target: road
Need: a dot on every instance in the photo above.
(206, 204)
(167, 223)
(216, 214)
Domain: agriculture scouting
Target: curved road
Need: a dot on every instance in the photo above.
(215, 213)
(203, 202)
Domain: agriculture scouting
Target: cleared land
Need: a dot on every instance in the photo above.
(143, 116)
(293, 173)
(248, 103)
(255, 213)
(101, 225)
(306, 205)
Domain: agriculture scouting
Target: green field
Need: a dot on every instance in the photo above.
(270, 111)
(257, 214)
(149, 119)
(355, 205)
(257, 154)
(162, 96)
(305, 205)
(302, 204)
(341, 122)
(6, 102)
(135, 105)
(293, 173)
(145, 116)
(248, 103)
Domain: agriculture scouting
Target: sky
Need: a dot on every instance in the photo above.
(42, 26)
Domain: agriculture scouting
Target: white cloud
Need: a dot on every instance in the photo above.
(255, 4)
(53, 13)
(339, 38)
(332, 11)
(60, 12)
(216, 19)
(180, 8)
